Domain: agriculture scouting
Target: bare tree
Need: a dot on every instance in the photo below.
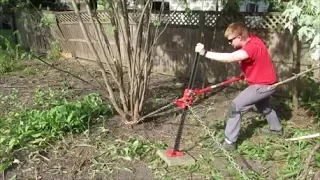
(130, 60)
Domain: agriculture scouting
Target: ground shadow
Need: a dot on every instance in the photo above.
(309, 96)
(251, 129)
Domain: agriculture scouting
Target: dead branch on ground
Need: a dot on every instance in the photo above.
(304, 173)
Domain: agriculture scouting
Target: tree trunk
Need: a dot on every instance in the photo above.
(132, 48)
(99, 63)
(296, 70)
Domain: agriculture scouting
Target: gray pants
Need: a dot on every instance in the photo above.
(257, 95)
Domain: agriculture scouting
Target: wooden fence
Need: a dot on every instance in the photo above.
(174, 50)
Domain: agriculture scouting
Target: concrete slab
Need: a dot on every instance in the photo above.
(186, 159)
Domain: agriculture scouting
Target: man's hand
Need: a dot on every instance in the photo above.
(200, 49)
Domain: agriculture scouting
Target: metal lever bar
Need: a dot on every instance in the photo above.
(188, 95)
(175, 151)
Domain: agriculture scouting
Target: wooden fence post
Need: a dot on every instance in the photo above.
(14, 28)
(201, 28)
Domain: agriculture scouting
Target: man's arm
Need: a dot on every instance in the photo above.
(238, 55)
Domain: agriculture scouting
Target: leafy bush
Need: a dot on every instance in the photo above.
(10, 55)
(55, 49)
(304, 16)
(50, 97)
(34, 127)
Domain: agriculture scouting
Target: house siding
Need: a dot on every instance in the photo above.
(262, 6)
(200, 5)
(210, 5)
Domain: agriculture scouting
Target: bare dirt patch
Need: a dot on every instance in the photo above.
(74, 157)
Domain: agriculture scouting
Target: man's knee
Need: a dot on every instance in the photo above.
(233, 110)
(266, 111)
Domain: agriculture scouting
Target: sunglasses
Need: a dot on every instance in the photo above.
(230, 40)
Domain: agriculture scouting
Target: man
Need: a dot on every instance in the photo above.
(255, 62)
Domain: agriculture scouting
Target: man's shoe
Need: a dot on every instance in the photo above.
(229, 147)
(271, 132)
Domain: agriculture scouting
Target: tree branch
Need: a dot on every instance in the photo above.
(64, 71)
(304, 137)
(294, 77)
(100, 36)
(85, 34)
(304, 174)
(95, 79)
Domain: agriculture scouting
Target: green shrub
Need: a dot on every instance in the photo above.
(10, 55)
(34, 127)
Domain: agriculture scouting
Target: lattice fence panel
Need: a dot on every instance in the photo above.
(66, 17)
(181, 18)
(211, 19)
(253, 20)
(85, 17)
(273, 21)
(71, 17)
(103, 17)
(225, 20)
(135, 16)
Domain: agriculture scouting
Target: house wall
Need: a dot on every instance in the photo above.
(262, 6)
(66, 5)
(210, 5)
(199, 5)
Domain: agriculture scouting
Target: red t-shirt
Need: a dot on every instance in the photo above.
(258, 68)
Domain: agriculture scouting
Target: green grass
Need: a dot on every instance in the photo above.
(7, 34)
(287, 157)
(11, 56)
